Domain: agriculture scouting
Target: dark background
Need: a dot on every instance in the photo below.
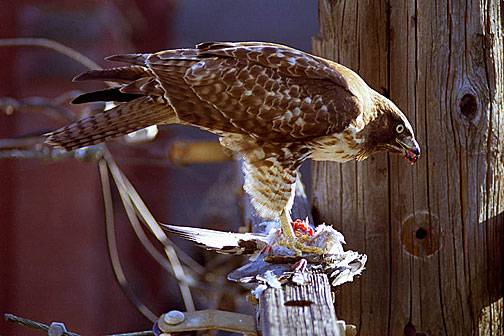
(54, 264)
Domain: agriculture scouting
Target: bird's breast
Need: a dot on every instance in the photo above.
(339, 147)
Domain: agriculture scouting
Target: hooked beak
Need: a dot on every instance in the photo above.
(410, 148)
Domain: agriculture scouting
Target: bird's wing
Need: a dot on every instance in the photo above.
(270, 172)
(266, 91)
(269, 92)
(222, 242)
(291, 62)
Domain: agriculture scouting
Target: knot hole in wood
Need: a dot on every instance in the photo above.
(469, 106)
(420, 234)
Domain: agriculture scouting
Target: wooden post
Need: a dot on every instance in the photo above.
(433, 232)
(300, 310)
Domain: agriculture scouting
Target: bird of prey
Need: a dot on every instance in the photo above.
(275, 105)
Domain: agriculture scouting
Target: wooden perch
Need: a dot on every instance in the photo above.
(300, 310)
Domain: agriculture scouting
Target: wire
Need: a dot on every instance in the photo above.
(112, 244)
(131, 200)
(42, 326)
(50, 44)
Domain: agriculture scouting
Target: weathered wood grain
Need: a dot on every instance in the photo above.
(434, 233)
(299, 310)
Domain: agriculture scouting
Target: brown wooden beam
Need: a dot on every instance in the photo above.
(300, 310)
(434, 233)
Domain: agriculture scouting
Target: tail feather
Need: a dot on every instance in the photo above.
(222, 242)
(137, 59)
(120, 120)
(119, 75)
(144, 86)
(113, 95)
(141, 105)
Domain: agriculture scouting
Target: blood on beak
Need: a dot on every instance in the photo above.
(411, 156)
(411, 150)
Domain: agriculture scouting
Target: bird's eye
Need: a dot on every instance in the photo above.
(399, 128)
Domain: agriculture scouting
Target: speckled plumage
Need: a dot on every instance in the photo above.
(273, 104)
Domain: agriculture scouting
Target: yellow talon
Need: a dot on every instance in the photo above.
(292, 245)
(291, 241)
(308, 249)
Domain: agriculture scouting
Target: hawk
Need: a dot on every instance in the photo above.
(275, 105)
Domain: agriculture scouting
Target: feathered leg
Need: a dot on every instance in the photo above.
(270, 180)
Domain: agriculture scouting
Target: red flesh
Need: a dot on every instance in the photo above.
(411, 156)
(301, 227)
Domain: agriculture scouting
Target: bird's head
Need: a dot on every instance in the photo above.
(390, 130)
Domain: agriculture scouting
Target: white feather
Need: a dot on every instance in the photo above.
(223, 242)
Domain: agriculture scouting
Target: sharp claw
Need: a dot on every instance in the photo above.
(298, 252)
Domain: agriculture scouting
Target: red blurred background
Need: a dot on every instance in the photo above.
(54, 264)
